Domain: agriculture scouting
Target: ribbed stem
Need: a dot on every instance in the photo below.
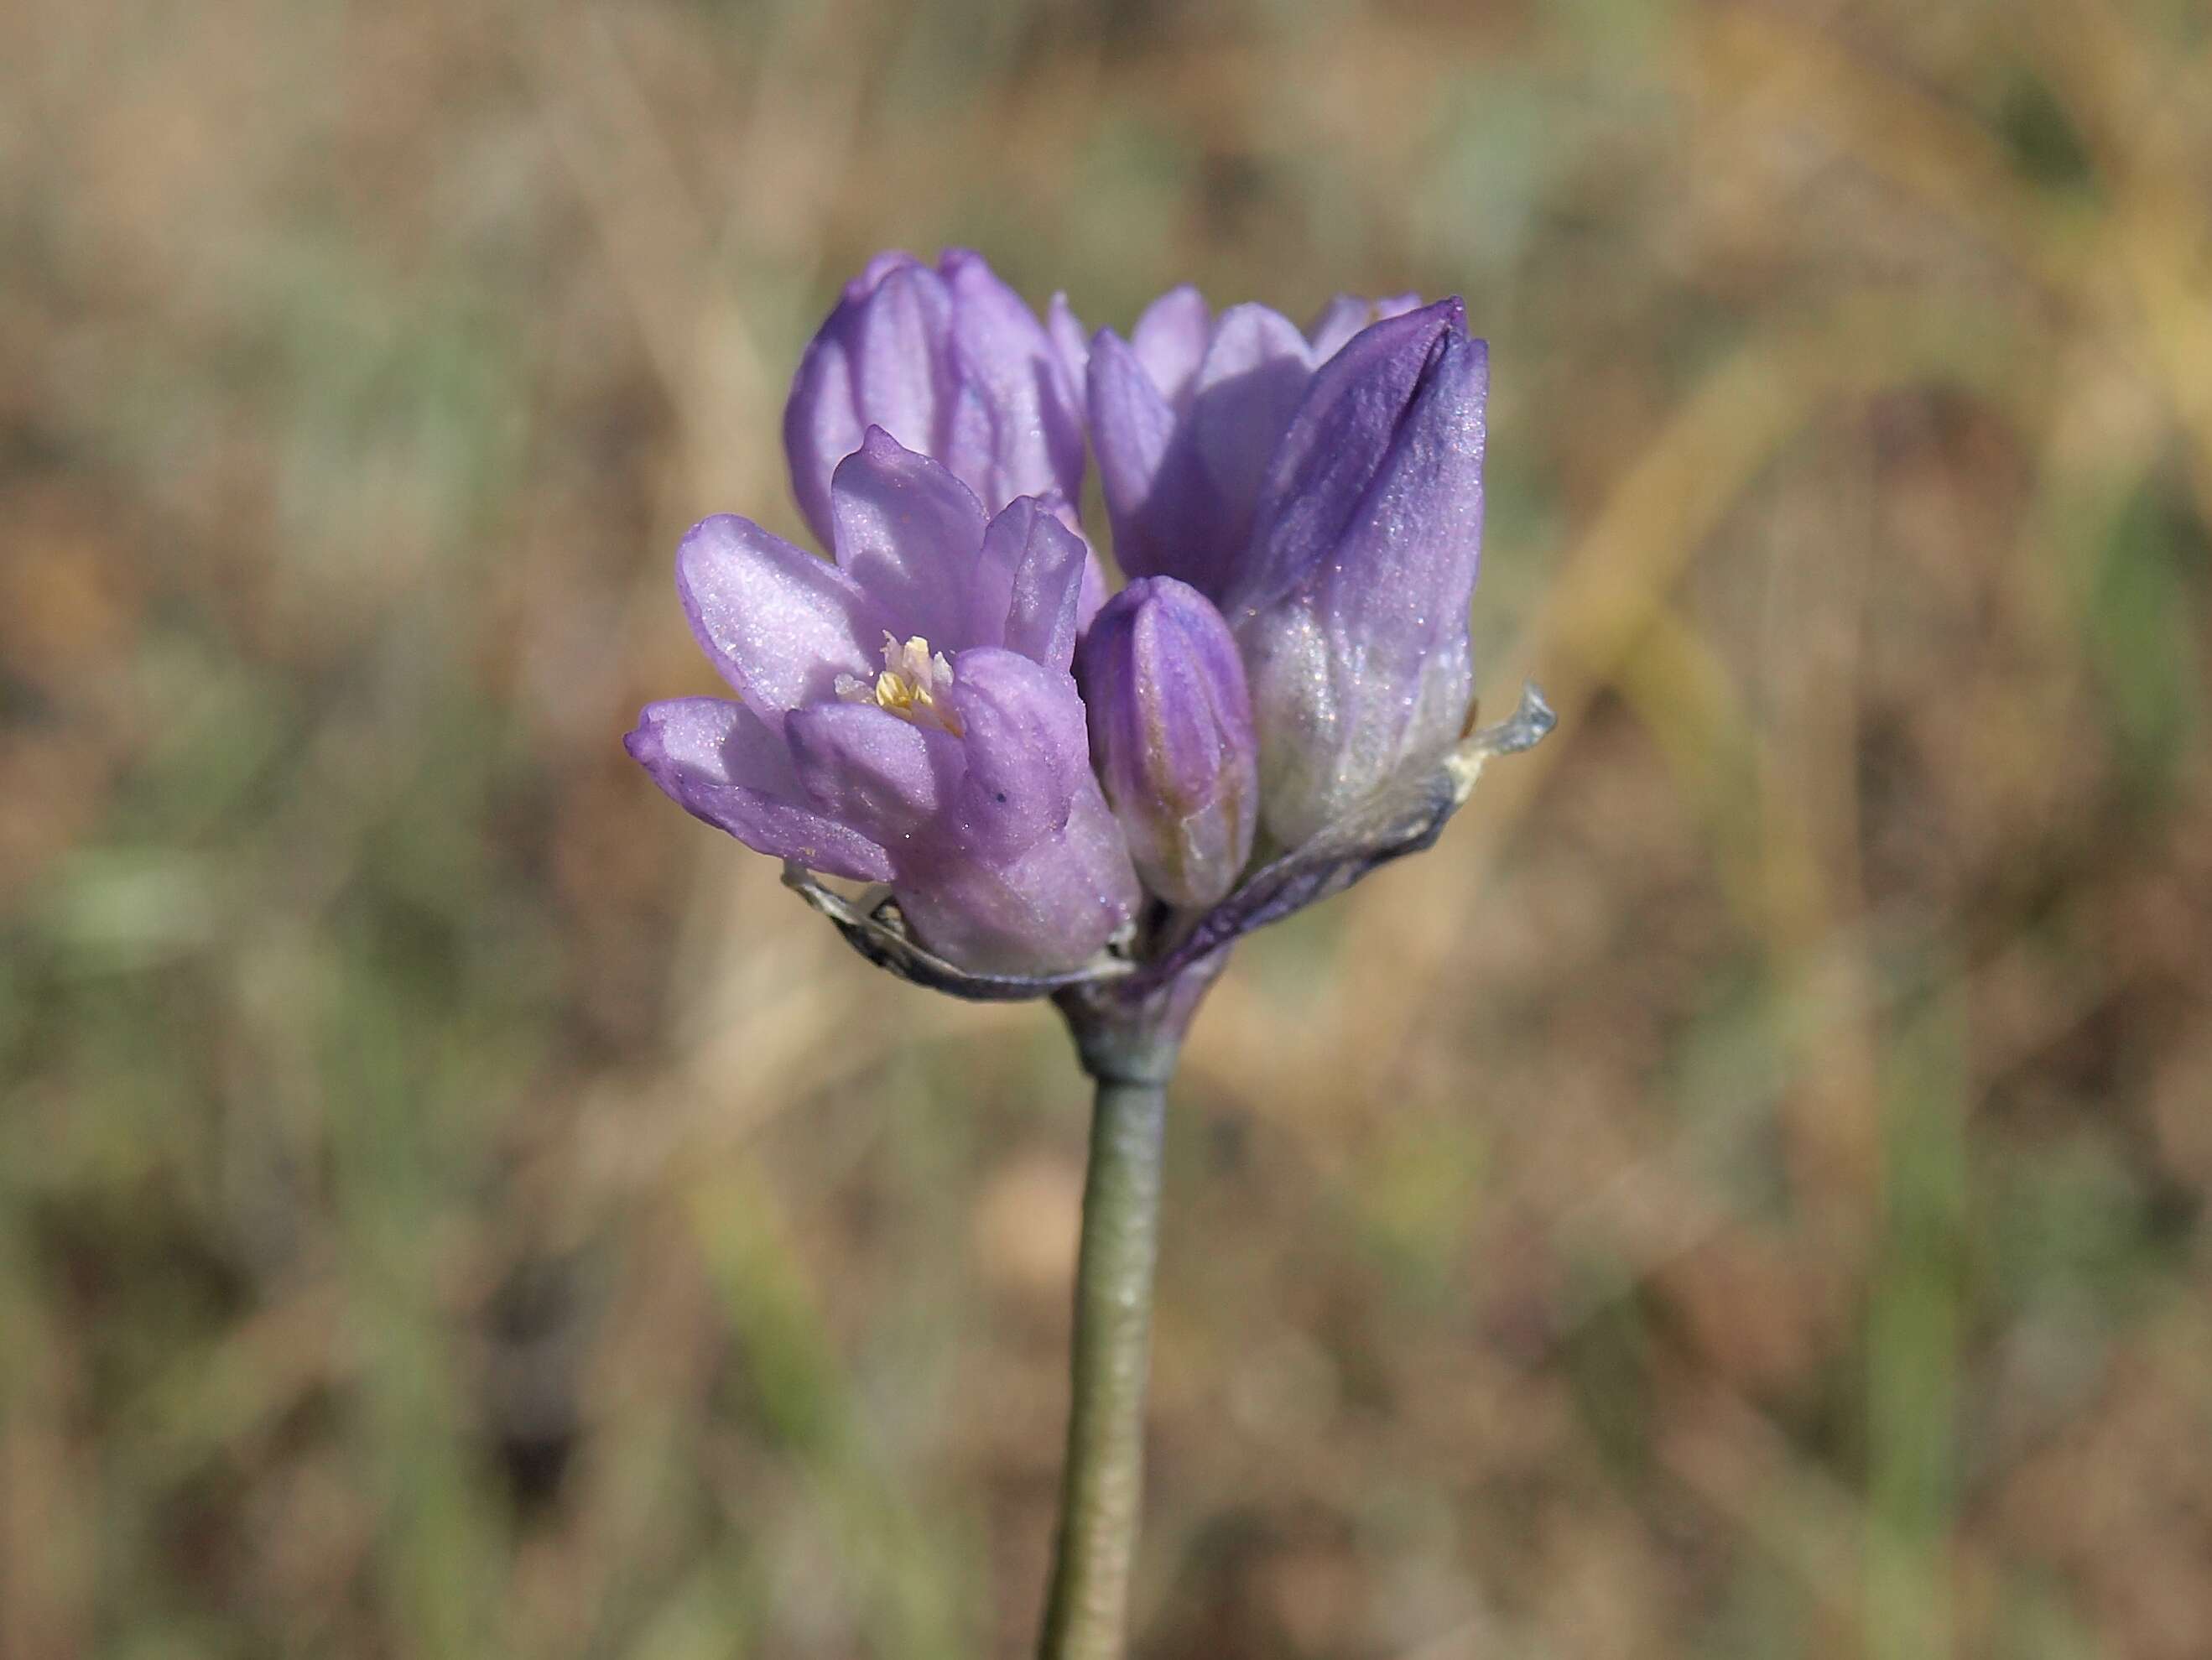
(1102, 1490)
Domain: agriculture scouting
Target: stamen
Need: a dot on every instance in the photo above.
(913, 679)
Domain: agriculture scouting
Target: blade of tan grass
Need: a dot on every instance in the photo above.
(656, 237)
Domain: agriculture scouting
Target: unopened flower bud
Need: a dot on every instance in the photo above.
(1171, 737)
(1350, 604)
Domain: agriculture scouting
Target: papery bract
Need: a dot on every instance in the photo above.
(1171, 737)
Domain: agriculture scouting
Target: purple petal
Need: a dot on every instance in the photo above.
(896, 322)
(1256, 370)
(1028, 583)
(1171, 737)
(1027, 871)
(1016, 427)
(865, 767)
(1071, 346)
(1095, 589)
(1180, 480)
(952, 364)
(877, 359)
(716, 761)
(1027, 745)
(1132, 428)
(781, 624)
(1342, 436)
(908, 532)
(1169, 340)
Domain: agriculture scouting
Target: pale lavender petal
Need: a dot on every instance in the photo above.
(952, 364)
(878, 360)
(1071, 347)
(1169, 340)
(1028, 583)
(1096, 589)
(1049, 907)
(779, 625)
(1017, 428)
(1131, 421)
(896, 380)
(1132, 428)
(991, 593)
(1027, 745)
(1094, 585)
(1047, 612)
(1180, 480)
(1027, 871)
(1171, 738)
(1334, 726)
(821, 425)
(1256, 370)
(865, 767)
(716, 760)
(907, 531)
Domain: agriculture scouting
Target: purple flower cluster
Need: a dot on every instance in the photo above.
(1052, 784)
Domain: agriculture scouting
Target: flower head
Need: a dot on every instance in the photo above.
(1280, 701)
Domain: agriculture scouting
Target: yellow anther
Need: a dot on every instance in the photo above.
(912, 678)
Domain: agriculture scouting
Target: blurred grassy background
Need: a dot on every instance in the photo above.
(1743, 1195)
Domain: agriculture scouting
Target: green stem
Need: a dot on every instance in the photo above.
(1101, 1490)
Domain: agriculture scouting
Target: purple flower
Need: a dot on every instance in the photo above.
(1186, 414)
(1171, 737)
(1278, 704)
(953, 364)
(1350, 602)
(906, 715)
